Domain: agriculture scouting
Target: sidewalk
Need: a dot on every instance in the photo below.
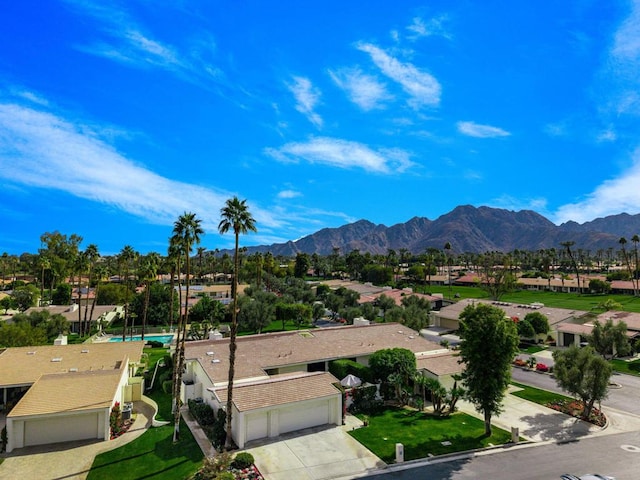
(203, 442)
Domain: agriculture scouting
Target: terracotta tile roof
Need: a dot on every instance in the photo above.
(280, 390)
(256, 353)
(24, 365)
(57, 393)
(443, 364)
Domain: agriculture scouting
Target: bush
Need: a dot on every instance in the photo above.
(218, 434)
(155, 344)
(365, 401)
(167, 386)
(168, 361)
(344, 367)
(242, 460)
(202, 412)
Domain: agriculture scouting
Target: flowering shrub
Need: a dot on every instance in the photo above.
(575, 408)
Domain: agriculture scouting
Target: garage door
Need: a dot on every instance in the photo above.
(257, 426)
(60, 429)
(309, 415)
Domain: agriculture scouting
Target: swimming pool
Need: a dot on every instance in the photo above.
(147, 338)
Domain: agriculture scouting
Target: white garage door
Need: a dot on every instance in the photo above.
(60, 429)
(309, 415)
(257, 426)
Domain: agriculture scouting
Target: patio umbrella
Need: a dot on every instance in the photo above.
(350, 381)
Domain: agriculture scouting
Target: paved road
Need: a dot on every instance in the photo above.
(626, 398)
(617, 455)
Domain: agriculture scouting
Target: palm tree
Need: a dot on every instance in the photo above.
(125, 258)
(634, 277)
(149, 273)
(200, 251)
(92, 255)
(173, 258)
(99, 273)
(567, 245)
(186, 232)
(235, 216)
(447, 249)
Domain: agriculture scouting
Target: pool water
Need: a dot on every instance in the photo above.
(147, 338)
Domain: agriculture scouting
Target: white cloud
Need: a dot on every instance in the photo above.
(608, 135)
(307, 97)
(423, 28)
(289, 194)
(363, 90)
(473, 129)
(613, 196)
(43, 150)
(624, 65)
(555, 129)
(509, 202)
(423, 87)
(343, 154)
(126, 42)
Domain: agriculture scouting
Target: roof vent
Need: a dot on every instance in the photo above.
(31, 353)
(73, 369)
(56, 359)
(215, 360)
(210, 354)
(84, 351)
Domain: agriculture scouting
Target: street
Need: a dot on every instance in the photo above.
(616, 455)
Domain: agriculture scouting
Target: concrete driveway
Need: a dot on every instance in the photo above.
(314, 454)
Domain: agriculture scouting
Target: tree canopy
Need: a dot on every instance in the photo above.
(609, 340)
(584, 374)
(489, 342)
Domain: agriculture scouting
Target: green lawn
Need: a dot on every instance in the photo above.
(537, 395)
(630, 368)
(423, 434)
(533, 349)
(151, 456)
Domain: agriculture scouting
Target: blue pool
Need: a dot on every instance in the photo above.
(137, 338)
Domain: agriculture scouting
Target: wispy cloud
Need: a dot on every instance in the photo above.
(509, 202)
(289, 194)
(363, 90)
(45, 150)
(307, 97)
(124, 41)
(615, 195)
(608, 135)
(623, 72)
(423, 28)
(343, 154)
(423, 87)
(473, 129)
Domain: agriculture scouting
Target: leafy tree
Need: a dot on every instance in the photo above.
(488, 345)
(496, 278)
(208, 310)
(25, 297)
(385, 303)
(6, 303)
(584, 374)
(393, 361)
(538, 321)
(113, 294)
(22, 335)
(257, 311)
(525, 329)
(599, 286)
(235, 216)
(609, 340)
(158, 309)
(62, 295)
(317, 311)
(303, 263)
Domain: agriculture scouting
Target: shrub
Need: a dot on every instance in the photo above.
(365, 401)
(342, 368)
(155, 344)
(202, 412)
(168, 361)
(218, 434)
(167, 386)
(242, 460)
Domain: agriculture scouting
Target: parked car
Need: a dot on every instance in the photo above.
(586, 476)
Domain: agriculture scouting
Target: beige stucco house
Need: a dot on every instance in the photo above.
(64, 393)
(281, 380)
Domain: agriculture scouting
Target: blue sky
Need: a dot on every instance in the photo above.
(115, 119)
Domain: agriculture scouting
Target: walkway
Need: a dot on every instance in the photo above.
(70, 460)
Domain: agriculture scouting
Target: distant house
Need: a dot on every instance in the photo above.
(449, 316)
(576, 334)
(102, 314)
(281, 380)
(65, 393)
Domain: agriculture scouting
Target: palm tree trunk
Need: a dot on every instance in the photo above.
(232, 347)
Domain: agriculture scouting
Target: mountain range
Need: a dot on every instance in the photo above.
(467, 229)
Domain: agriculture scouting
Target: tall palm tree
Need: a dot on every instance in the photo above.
(99, 273)
(186, 232)
(149, 273)
(92, 255)
(567, 245)
(126, 258)
(447, 250)
(634, 277)
(235, 216)
(200, 251)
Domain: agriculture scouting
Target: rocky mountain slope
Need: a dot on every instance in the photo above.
(468, 229)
